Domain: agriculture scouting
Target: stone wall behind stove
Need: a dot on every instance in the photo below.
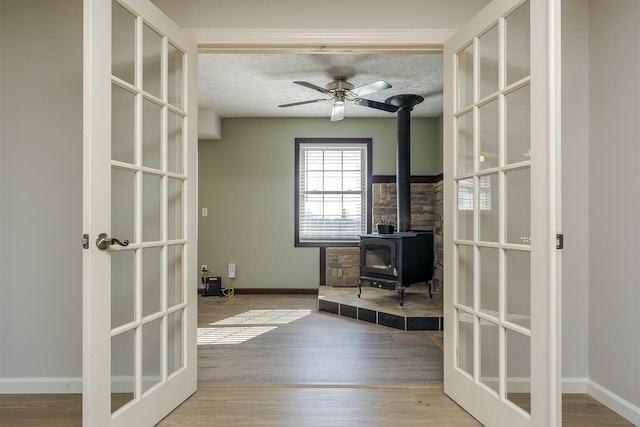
(342, 264)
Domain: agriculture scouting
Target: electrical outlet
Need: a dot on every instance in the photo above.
(204, 267)
(205, 212)
(232, 271)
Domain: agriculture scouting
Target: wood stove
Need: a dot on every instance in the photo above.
(397, 260)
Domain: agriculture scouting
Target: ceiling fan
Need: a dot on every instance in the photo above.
(339, 91)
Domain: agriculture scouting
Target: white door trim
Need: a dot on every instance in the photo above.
(321, 40)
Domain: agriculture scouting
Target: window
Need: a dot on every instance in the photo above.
(333, 183)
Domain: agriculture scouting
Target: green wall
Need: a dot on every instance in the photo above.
(246, 180)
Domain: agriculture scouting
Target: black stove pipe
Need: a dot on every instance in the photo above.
(403, 170)
(403, 157)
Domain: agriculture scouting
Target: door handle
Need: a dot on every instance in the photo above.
(103, 241)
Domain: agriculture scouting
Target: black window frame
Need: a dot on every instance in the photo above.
(369, 162)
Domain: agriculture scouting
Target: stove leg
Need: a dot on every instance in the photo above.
(359, 288)
(400, 290)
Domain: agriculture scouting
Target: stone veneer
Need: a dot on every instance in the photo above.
(342, 264)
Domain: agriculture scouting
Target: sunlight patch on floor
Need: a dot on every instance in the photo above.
(264, 317)
(242, 327)
(233, 335)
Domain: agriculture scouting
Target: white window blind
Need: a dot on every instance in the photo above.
(332, 191)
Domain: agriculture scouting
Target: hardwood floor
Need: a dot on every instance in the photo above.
(318, 370)
(319, 348)
(307, 405)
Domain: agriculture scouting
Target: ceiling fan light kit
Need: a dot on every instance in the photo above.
(341, 90)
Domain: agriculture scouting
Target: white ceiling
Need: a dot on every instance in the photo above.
(253, 85)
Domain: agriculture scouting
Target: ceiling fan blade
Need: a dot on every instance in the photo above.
(304, 102)
(312, 86)
(377, 105)
(337, 113)
(370, 88)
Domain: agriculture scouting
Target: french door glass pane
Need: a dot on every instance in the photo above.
(147, 208)
(122, 124)
(151, 208)
(518, 44)
(465, 144)
(465, 194)
(518, 287)
(151, 281)
(174, 142)
(174, 208)
(489, 279)
(519, 369)
(122, 369)
(464, 354)
(465, 77)
(488, 123)
(123, 43)
(488, 78)
(174, 342)
(518, 206)
(123, 186)
(175, 77)
(518, 125)
(491, 168)
(152, 62)
(465, 275)
(123, 295)
(489, 355)
(151, 354)
(174, 275)
(151, 135)
(489, 215)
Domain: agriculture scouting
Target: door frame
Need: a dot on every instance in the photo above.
(318, 41)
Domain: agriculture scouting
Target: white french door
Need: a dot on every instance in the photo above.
(501, 308)
(139, 214)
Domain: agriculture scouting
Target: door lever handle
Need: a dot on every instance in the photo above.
(103, 241)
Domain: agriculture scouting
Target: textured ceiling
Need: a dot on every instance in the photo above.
(253, 85)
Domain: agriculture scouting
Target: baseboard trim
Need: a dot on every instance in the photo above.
(43, 385)
(614, 402)
(574, 385)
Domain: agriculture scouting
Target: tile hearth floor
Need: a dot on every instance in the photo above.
(382, 306)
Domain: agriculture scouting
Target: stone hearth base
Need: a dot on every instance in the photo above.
(382, 307)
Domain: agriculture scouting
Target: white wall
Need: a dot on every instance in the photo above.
(575, 191)
(614, 197)
(40, 192)
(247, 181)
(338, 14)
(601, 200)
